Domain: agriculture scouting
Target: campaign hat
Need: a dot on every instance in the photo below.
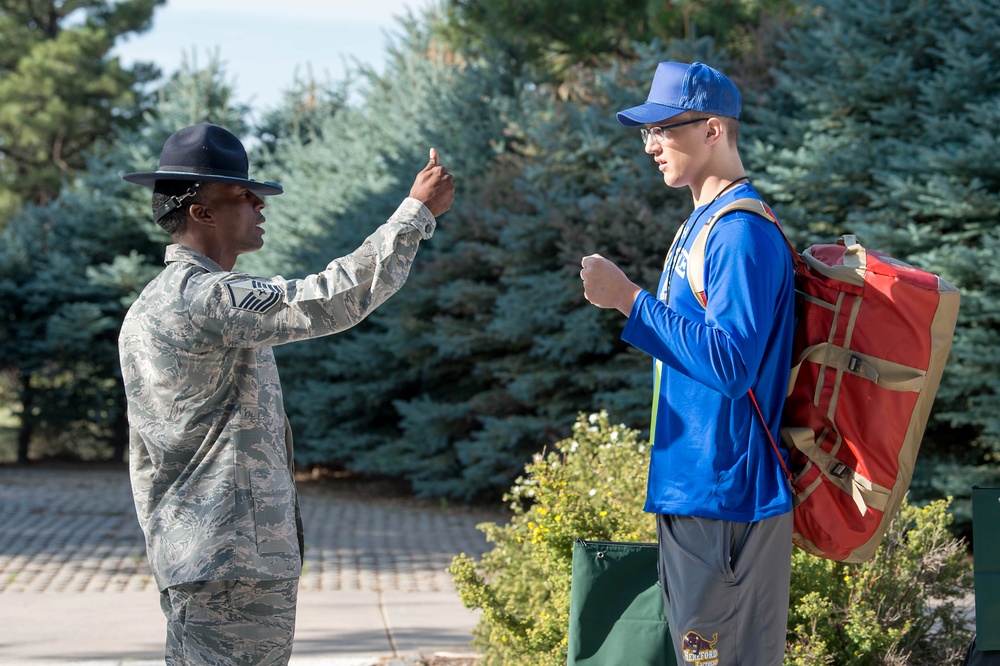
(204, 153)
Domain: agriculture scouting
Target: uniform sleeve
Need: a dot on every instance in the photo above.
(238, 310)
(744, 272)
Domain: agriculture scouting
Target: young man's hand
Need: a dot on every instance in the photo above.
(434, 187)
(605, 285)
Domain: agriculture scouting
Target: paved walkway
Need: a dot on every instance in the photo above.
(75, 586)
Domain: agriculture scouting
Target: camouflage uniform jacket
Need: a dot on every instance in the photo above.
(210, 452)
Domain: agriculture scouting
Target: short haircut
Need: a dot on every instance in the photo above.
(174, 221)
(731, 125)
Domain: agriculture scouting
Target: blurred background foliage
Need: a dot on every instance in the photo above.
(873, 117)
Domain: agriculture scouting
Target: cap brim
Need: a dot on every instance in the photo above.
(149, 178)
(647, 114)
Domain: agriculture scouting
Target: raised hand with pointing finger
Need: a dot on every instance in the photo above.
(203, 197)
(434, 186)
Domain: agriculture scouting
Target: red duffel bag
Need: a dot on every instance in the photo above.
(871, 341)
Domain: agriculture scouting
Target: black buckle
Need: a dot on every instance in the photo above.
(175, 202)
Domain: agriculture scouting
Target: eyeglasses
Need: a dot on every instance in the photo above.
(659, 133)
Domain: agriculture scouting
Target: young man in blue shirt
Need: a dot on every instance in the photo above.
(721, 499)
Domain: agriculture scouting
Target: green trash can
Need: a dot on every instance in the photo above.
(616, 615)
(986, 565)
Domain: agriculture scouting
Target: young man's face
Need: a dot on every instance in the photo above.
(680, 154)
(236, 212)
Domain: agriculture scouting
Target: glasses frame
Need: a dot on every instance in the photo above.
(658, 132)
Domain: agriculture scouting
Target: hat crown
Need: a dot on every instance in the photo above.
(695, 87)
(678, 87)
(205, 149)
(204, 153)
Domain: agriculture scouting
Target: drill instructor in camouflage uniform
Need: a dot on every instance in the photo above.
(210, 449)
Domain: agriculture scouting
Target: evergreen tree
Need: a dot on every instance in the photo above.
(344, 176)
(490, 348)
(553, 37)
(882, 123)
(61, 91)
(69, 270)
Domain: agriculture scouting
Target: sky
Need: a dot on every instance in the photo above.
(262, 44)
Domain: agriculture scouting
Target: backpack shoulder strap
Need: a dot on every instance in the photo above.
(696, 257)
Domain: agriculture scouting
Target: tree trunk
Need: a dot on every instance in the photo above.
(27, 420)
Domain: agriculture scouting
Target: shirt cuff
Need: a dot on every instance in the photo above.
(629, 331)
(417, 215)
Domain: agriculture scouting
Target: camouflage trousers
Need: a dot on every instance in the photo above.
(223, 622)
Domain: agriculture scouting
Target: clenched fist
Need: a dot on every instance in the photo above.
(605, 285)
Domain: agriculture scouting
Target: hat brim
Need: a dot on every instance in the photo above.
(149, 178)
(647, 114)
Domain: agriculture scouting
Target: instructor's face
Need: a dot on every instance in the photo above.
(237, 215)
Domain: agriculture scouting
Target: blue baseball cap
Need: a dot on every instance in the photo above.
(679, 87)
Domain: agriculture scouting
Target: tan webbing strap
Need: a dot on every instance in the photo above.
(851, 271)
(696, 257)
(862, 490)
(885, 374)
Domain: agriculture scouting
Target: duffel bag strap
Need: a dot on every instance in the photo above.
(696, 256)
(774, 444)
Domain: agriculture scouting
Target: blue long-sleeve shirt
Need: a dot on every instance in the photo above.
(710, 455)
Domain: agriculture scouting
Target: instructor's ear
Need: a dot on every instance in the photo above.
(200, 213)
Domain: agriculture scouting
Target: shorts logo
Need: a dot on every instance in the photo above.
(698, 651)
(253, 295)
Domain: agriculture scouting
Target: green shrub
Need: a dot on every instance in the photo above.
(899, 608)
(588, 487)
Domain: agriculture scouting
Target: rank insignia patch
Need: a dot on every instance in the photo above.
(253, 295)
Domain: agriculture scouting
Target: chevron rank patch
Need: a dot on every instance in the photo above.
(253, 295)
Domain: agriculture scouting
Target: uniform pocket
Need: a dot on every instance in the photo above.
(273, 512)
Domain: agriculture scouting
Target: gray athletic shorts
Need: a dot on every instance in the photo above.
(725, 588)
(226, 622)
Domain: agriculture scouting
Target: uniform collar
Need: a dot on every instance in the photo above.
(182, 254)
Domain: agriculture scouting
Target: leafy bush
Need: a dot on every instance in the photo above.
(898, 608)
(587, 487)
(901, 607)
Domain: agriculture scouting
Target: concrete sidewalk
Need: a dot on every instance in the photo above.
(75, 586)
(355, 628)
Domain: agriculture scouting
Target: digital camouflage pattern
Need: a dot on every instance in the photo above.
(224, 622)
(210, 452)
